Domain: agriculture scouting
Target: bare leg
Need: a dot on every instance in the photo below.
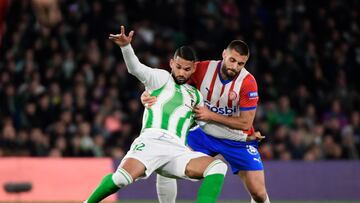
(254, 181)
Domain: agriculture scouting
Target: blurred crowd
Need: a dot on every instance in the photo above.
(65, 90)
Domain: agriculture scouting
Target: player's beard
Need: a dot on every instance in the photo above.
(179, 79)
(230, 73)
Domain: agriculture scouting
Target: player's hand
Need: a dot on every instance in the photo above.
(147, 100)
(121, 39)
(202, 113)
(255, 136)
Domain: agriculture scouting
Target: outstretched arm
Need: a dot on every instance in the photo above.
(151, 78)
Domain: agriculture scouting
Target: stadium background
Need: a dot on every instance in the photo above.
(65, 91)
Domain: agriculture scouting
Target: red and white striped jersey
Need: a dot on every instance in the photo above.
(225, 97)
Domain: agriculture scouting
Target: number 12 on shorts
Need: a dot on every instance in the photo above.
(139, 147)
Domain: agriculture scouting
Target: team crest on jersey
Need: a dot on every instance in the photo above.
(232, 95)
(252, 150)
(192, 96)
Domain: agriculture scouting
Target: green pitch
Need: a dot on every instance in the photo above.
(249, 201)
(273, 201)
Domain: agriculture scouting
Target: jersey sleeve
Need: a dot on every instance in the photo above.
(248, 94)
(152, 78)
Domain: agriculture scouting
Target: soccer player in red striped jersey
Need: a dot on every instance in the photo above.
(226, 123)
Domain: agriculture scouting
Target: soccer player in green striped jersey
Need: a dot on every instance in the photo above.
(161, 144)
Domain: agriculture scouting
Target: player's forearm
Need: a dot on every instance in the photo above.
(132, 62)
(234, 122)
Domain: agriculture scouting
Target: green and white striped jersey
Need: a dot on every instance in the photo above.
(173, 110)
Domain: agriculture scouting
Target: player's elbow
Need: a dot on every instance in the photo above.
(248, 125)
(131, 65)
(133, 71)
(130, 70)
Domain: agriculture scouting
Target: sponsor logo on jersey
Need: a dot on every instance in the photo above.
(252, 150)
(252, 95)
(221, 110)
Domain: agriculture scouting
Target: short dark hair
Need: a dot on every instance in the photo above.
(239, 46)
(186, 53)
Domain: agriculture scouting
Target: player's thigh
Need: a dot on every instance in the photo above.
(189, 162)
(152, 153)
(242, 157)
(196, 167)
(254, 181)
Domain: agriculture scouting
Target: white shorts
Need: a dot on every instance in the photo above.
(163, 153)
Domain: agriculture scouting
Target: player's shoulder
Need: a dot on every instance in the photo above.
(249, 78)
(201, 63)
(161, 71)
(200, 72)
(248, 83)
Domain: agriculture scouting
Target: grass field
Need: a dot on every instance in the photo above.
(249, 201)
(273, 201)
(338, 201)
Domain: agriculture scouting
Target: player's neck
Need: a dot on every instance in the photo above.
(223, 76)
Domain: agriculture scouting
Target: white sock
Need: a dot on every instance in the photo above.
(266, 201)
(166, 189)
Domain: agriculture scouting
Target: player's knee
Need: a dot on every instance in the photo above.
(259, 196)
(216, 167)
(121, 178)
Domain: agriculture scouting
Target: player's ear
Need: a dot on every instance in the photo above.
(224, 54)
(171, 63)
(193, 68)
